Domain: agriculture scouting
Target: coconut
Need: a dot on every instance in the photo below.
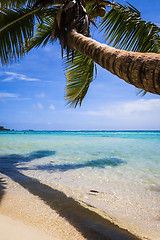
(101, 11)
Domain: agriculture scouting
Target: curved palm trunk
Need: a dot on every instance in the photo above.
(139, 69)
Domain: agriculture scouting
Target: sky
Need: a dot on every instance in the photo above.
(32, 93)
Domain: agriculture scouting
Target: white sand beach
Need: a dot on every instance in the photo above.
(47, 215)
(13, 229)
(58, 217)
(22, 213)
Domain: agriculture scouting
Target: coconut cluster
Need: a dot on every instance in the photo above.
(99, 10)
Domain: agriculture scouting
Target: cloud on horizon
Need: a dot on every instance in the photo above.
(137, 114)
(129, 109)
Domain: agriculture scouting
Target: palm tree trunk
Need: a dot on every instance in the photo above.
(139, 69)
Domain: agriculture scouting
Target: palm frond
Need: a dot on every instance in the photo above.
(43, 33)
(80, 72)
(16, 26)
(125, 29)
(141, 92)
(16, 3)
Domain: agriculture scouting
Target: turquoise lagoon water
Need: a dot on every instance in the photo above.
(115, 172)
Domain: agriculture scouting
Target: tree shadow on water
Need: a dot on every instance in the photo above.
(9, 163)
(98, 163)
(91, 225)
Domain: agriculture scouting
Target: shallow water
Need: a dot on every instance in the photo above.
(116, 172)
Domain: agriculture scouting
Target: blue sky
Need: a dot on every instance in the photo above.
(32, 93)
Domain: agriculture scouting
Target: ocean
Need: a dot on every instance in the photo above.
(115, 172)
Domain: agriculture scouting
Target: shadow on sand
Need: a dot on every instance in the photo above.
(2, 188)
(91, 225)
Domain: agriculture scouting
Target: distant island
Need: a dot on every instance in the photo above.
(4, 129)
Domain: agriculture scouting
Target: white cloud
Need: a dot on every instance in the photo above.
(12, 76)
(40, 95)
(139, 114)
(39, 105)
(8, 95)
(129, 109)
(52, 107)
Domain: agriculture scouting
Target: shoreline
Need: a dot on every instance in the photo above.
(55, 214)
(86, 187)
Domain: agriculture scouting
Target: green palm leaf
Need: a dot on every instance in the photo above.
(79, 73)
(16, 26)
(125, 29)
(43, 33)
(15, 3)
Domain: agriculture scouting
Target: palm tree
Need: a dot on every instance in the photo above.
(69, 20)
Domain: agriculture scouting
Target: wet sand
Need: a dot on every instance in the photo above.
(36, 208)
